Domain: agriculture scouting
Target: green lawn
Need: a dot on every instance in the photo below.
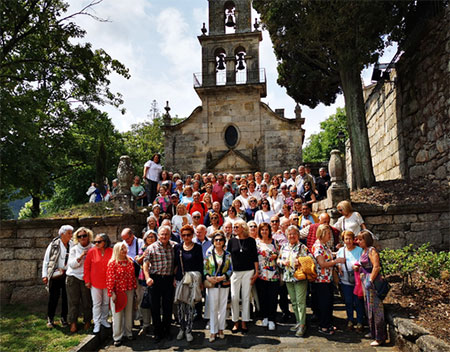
(24, 330)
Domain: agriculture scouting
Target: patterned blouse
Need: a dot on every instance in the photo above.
(291, 253)
(210, 269)
(268, 270)
(120, 277)
(324, 275)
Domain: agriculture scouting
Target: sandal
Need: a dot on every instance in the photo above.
(235, 328)
(328, 331)
(376, 343)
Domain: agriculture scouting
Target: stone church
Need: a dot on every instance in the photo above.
(233, 130)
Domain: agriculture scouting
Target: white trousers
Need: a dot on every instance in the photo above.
(241, 279)
(100, 304)
(217, 298)
(122, 321)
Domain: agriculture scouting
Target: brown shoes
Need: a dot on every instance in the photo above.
(73, 327)
(87, 326)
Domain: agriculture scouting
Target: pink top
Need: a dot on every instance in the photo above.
(95, 267)
(120, 277)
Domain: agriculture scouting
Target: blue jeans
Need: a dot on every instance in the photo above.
(352, 302)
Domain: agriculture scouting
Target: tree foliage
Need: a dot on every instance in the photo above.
(322, 46)
(321, 144)
(49, 82)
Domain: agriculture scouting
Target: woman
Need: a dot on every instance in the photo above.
(187, 196)
(121, 282)
(268, 277)
(152, 173)
(288, 262)
(275, 201)
(350, 220)
(351, 254)
(232, 215)
(95, 279)
(138, 191)
(149, 237)
(243, 197)
(188, 258)
(78, 295)
(286, 210)
(182, 218)
(217, 270)
(207, 199)
(208, 191)
(275, 182)
(215, 219)
(164, 179)
(323, 286)
(163, 199)
(370, 272)
(307, 196)
(240, 210)
(156, 212)
(265, 213)
(244, 257)
(264, 191)
(252, 191)
(152, 224)
(253, 229)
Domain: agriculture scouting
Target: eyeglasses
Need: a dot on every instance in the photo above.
(196, 217)
(265, 203)
(253, 201)
(235, 227)
(297, 203)
(97, 242)
(274, 221)
(253, 226)
(82, 236)
(243, 189)
(186, 235)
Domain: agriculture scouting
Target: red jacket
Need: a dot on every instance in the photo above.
(311, 239)
(95, 267)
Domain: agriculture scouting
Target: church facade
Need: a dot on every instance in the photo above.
(233, 130)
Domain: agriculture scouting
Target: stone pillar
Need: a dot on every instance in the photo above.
(123, 201)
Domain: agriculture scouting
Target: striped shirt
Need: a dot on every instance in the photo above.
(161, 258)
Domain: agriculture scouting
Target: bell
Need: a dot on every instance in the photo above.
(240, 61)
(221, 62)
(230, 21)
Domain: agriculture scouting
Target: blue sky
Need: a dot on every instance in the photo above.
(157, 41)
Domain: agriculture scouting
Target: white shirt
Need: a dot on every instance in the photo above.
(74, 267)
(177, 222)
(255, 194)
(290, 182)
(263, 216)
(352, 223)
(153, 171)
(244, 202)
(61, 260)
(276, 204)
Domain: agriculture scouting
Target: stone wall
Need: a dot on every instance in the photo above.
(408, 116)
(23, 244)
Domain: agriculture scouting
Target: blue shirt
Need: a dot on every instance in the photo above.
(205, 245)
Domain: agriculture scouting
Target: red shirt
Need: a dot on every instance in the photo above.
(200, 207)
(95, 267)
(120, 277)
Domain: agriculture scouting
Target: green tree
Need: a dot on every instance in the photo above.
(48, 81)
(321, 144)
(322, 46)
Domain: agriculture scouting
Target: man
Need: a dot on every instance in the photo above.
(197, 205)
(275, 227)
(309, 232)
(54, 273)
(302, 178)
(174, 237)
(291, 181)
(201, 239)
(172, 208)
(285, 175)
(306, 216)
(266, 177)
(297, 207)
(196, 216)
(227, 197)
(218, 188)
(258, 180)
(285, 194)
(227, 229)
(232, 184)
(293, 219)
(322, 183)
(133, 245)
(215, 209)
(159, 265)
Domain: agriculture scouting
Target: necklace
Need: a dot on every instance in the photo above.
(186, 248)
(241, 247)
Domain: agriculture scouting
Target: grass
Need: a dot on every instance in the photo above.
(25, 329)
(83, 210)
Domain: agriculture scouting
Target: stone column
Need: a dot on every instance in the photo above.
(338, 190)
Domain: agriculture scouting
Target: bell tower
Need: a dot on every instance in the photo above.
(230, 51)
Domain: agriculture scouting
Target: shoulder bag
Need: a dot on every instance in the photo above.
(351, 274)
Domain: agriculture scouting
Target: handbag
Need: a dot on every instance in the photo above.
(147, 299)
(208, 284)
(382, 287)
(186, 279)
(351, 274)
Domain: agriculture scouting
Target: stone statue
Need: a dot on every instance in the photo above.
(123, 200)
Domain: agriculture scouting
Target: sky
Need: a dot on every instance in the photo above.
(157, 41)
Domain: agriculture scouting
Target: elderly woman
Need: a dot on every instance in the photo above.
(95, 279)
(288, 262)
(182, 218)
(268, 280)
(323, 286)
(188, 258)
(286, 211)
(350, 220)
(244, 257)
(78, 295)
(152, 224)
(187, 196)
(252, 229)
(54, 273)
(265, 213)
(370, 272)
(152, 174)
(276, 201)
(138, 191)
(351, 254)
(243, 197)
(163, 199)
(217, 270)
(121, 282)
(215, 225)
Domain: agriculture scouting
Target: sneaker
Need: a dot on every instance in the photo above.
(265, 322)
(64, 323)
(96, 329)
(50, 323)
(106, 324)
(189, 337)
(326, 331)
(271, 326)
(295, 327)
(300, 331)
(180, 335)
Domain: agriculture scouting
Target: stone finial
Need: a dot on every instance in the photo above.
(123, 199)
(204, 30)
(167, 119)
(298, 111)
(338, 190)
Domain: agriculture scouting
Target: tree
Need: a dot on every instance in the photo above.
(49, 81)
(322, 46)
(321, 144)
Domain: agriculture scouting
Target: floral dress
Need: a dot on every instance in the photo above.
(268, 270)
(291, 253)
(374, 306)
(324, 275)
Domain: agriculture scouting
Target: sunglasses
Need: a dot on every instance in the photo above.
(253, 201)
(253, 226)
(82, 236)
(219, 240)
(235, 227)
(196, 217)
(243, 189)
(97, 242)
(186, 235)
(274, 221)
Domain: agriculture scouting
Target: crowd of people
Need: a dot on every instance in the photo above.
(250, 240)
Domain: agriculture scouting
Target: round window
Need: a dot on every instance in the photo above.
(231, 136)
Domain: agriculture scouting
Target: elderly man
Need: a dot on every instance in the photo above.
(197, 205)
(307, 215)
(302, 178)
(227, 197)
(227, 230)
(322, 183)
(159, 265)
(174, 236)
(54, 273)
(291, 180)
(309, 232)
(172, 208)
(202, 240)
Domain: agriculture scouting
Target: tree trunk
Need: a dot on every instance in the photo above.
(35, 209)
(356, 121)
